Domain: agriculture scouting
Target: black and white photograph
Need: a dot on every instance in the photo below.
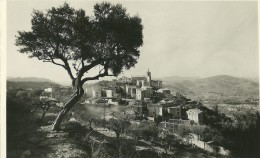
(130, 79)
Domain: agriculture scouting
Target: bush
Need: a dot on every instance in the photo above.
(100, 122)
(75, 130)
(146, 130)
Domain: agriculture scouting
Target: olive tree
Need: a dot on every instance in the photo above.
(67, 37)
(119, 126)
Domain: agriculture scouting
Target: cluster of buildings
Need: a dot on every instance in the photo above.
(141, 87)
(172, 114)
(135, 87)
(139, 91)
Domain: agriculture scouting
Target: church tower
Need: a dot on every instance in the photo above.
(148, 75)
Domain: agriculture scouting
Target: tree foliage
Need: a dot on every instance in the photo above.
(119, 126)
(69, 38)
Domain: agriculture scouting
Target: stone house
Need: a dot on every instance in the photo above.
(140, 93)
(109, 93)
(195, 115)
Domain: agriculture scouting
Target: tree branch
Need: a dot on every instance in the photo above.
(66, 65)
(62, 58)
(82, 63)
(52, 61)
(105, 73)
(95, 77)
(88, 67)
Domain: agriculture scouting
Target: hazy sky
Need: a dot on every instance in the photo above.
(180, 38)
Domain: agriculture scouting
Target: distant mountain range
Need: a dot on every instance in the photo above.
(221, 87)
(29, 82)
(28, 79)
(181, 78)
(176, 78)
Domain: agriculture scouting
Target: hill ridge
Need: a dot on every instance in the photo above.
(29, 79)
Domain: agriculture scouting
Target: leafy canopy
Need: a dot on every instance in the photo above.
(69, 38)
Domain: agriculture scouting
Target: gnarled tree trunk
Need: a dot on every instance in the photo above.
(73, 100)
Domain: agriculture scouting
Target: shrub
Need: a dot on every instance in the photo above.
(75, 130)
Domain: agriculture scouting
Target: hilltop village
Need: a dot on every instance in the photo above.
(147, 99)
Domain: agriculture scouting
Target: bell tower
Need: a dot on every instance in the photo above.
(149, 77)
